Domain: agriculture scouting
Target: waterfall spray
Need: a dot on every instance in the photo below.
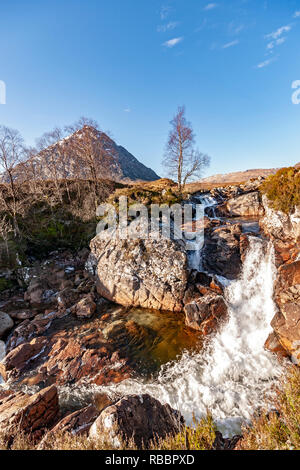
(233, 375)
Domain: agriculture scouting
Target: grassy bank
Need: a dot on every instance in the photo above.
(278, 429)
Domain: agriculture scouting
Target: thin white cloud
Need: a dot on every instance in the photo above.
(279, 32)
(172, 42)
(278, 42)
(238, 29)
(297, 14)
(127, 110)
(265, 63)
(163, 28)
(230, 44)
(235, 29)
(164, 12)
(210, 6)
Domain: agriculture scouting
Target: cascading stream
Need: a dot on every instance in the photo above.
(195, 257)
(233, 375)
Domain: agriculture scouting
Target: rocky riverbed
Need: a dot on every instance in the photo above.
(130, 323)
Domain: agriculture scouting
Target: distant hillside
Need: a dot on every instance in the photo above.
(238, 176)
(63, 160)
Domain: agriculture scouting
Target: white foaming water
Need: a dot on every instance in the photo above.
(195, 257)
(233, 375)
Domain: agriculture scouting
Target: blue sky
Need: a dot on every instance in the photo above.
(130, 63)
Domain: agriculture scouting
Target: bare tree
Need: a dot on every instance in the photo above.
(94, 153)
(80, 124)
(53, 161)
(5, 230)
(182, 160)
(11, 154)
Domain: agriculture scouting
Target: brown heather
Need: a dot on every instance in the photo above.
(280, 428)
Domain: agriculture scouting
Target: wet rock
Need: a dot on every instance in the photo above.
(29, 329)
(222, 443)
(14, 303)
(222, 251)
(32, 414)
(204, 313)
(67, 297)
(245, 205)
(140, 418)
(21, 315)
(19, 358)
(4, 393)
(279, 226)
(273, 345)
(284, 231)
(244, 245)
(201, 283)
(113, 329)
(76, 423)
(72, 352)
(6, 324)
(142, 273)
(286, 322)
(101, 401)
(39, 293)
(285, 252)
(85, 308)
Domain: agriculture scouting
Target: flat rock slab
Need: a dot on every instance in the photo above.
(20, 412)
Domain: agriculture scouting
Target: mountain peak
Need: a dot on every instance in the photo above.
(63, 155)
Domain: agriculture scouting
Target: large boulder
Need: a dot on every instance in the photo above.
(141, 273)
(30, 414)
(6, 324)
(140, 418)
(245, 205)
(204, 313)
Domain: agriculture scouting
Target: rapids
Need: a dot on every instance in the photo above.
(233, 374)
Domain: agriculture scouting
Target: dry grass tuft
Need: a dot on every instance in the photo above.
(278, 429)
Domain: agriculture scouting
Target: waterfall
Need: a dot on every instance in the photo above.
(233, 375)
(195, 256)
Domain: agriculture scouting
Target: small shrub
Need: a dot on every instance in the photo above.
(199, 437)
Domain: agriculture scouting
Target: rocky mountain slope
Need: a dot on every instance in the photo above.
(63, 159)
(238, 176)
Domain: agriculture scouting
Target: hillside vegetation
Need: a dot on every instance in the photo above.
(283, 189)
(48, 215)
